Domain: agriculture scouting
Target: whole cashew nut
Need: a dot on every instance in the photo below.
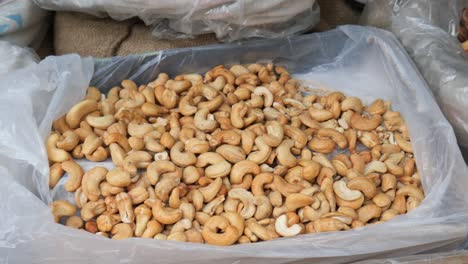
(205, 121)
(242, 168)
(78, 111)
(75, 173)
(211, 234)
(284, 155)
(282, 228)
(219, 166)
(180, 158)
(61, 208)
(247, 200)
(166, 215)
(156, 168)
(91, 180)
(53, 153)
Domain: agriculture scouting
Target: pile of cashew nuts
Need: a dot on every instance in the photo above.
(238, 155)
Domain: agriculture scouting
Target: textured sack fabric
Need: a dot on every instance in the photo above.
(334, 13)
(230, 20)
(103, 37)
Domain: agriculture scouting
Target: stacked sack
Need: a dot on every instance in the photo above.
(428, 31)
(229, 20)
(22, 22)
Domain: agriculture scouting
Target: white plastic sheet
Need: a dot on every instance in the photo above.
(427, 29)
(22, 22)
(359, 61)
(13, 57)
(453, 257)
(230, 20)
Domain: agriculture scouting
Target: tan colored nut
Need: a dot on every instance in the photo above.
(363, 184)
(369, 139)
(264, 207)
(282, 228)
(101, 122)
(78, 111)
(389, 182)
(329, 225)
(153, 228)
(298, 200)
(56, 172)
(92, 209)
(259, 181)
(368, 212)
(334, 135)
(142, 214)
(284, 155)
(156, 168)
(166, 215)
(60, 125)
(61, 208)
(388, 214)
(90, 182)
(262, 232)
(231, 153)
(247, 200)
(352, 204)
(194, 236)
(138, 195)
(322, 145)
(218, 231)
(210, 191)
(219, 166)
(190, 175)
(53, 153)
(74, 222)
(68, 141)
(375, 166)
(105, 222)
(411, 191)
(263, 152)
(75, 173)
(136, 160)
(351, 103)
(242, 168)
(124, 204)
(348, 211)
(167, 182)
(122, 231)
(377, 107)
(118, 177)
(382, 200)
(343, 192)
(284, 187)
(180, 158)
(405, 145)
(360, 122)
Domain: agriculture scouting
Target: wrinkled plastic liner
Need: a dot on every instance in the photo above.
(358, 61)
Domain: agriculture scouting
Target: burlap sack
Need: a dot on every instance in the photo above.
(104, 37)
(334, 13)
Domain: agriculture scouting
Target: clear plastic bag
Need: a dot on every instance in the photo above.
(427, 29)
(230, 20)
(22, 22)
(14, 57)
(453, 257)
(363, 62)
